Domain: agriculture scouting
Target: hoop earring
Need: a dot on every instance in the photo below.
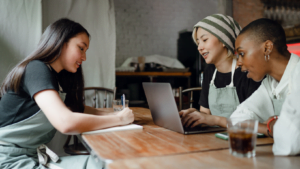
(266, 57)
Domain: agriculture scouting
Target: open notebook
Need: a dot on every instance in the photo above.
(118, 128)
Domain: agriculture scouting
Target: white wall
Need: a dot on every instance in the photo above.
(146, 27)
(97, 16)
(20, 31)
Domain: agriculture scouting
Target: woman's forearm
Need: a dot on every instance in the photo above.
(262, 128)
(204, 110)
(219, 121)
(69, 122)
(76, 123)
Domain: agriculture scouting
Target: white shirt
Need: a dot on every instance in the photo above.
(259, 106)
(286, 131)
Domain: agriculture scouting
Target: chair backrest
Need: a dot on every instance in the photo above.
(190, 90)
(100, 90)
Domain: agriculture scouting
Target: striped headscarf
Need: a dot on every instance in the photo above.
(225, 28)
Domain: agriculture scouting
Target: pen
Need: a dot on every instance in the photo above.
(123, 101)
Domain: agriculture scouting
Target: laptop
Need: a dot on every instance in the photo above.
(164, 110)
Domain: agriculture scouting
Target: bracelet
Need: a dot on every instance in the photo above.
(268, 124)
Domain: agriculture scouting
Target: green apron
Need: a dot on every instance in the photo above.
(223, 101)
(22, 146)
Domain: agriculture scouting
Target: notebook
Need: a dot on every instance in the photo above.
(118, 128)
(164, 110)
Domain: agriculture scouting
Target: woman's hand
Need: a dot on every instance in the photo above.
(126, 116)
(191, 118)
(184, 113)
(195, 118)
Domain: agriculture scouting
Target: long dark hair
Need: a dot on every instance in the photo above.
(47, 51)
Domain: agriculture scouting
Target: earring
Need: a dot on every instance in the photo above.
(266, 57)
(223, 45)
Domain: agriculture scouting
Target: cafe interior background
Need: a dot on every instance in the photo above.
(123, 30)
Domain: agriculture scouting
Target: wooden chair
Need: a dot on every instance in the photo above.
(102, 89)
(78, 148)
(190, 90)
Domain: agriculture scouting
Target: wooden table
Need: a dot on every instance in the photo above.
(152, 141)
(211, 159)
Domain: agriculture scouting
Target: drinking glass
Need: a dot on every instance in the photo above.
(242, 137)
(117, 105)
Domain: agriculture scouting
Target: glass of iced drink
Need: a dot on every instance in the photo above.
(242, 137)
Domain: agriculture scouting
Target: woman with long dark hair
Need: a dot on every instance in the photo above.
(44, 93)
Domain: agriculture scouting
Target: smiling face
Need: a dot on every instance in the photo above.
(74, 52)
(251, 57)
(210, 47)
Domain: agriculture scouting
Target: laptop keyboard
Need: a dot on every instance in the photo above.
(197, 128)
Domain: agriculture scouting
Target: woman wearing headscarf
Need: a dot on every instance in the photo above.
(224, 85)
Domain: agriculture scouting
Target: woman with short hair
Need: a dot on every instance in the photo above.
(262, 50)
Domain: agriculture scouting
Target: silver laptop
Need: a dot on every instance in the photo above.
(164, 110)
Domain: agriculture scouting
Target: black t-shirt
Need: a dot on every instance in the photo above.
(17, 107)
(244, 86)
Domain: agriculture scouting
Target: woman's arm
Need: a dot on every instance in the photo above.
(204, 110)
(195, 118)
(69, 122)
(258, 106)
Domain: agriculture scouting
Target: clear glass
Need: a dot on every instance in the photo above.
(242, 137)
(117, 105)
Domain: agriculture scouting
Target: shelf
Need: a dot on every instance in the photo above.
(293, 39)
(186, 74)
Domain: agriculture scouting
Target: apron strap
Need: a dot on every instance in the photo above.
(232, 74)
(232, 71)
(43, 153)
(213, 78)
